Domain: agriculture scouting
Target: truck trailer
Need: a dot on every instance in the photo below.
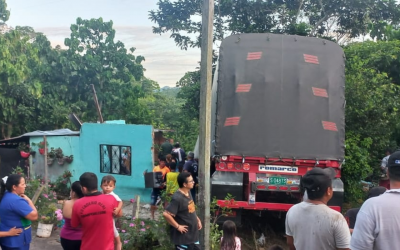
(277, 111)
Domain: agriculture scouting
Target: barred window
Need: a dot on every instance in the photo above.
(115, 159)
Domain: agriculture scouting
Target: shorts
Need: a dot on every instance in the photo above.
(155, 195)
(194, 246)
(116, 234)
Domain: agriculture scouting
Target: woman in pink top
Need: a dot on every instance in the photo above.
(71, 237)
(229, 240)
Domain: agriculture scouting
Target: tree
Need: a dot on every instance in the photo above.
(4, 13)
(327, 18)
(93, 57)
(190, 93)
(17, 88)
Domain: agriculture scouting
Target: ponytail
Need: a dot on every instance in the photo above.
(10, 181)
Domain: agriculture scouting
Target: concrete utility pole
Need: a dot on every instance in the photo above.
(205, 120)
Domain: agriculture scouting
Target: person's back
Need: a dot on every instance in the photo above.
(166, 148)
(95, 215)
(378, 223)
(316, 227)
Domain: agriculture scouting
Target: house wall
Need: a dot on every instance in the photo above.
(86, 151)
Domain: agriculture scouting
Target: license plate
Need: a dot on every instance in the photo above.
(277, 180)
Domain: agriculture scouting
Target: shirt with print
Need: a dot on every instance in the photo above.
(183, 209)
(192, 167)
(13, 210)
(95, 214)
(317, 227)
(378, 223)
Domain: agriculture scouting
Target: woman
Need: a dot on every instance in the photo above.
(16, 210)
(71, 237)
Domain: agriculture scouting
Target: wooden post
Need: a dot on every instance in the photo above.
(45, 163)
(30, 167)
(205, 120)
(136, 207)
(96, 101)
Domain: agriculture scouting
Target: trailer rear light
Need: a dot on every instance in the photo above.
(261, 187)
(230, 165)
(238, 166)
(222, 165)
(283, 188)
(294, 188)
(246, 166)
(272, 187)
(309, 168)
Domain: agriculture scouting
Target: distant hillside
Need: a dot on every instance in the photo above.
(169, 91)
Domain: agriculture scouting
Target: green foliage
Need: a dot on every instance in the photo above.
(138, 234)
(4, 13)
(356, 166)
(47, 207)
(218, 212)
(328, 18)
(62, 185)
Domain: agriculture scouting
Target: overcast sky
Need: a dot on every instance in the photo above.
(165, 63)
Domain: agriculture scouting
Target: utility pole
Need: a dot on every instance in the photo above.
(205, 120)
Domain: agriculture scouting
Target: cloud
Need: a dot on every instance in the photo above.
(165, 62)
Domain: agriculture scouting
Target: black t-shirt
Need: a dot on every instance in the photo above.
(351, 216)
(192, 167)
(183, 210)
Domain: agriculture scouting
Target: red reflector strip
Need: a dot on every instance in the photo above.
(320, 92)
(232, 121)
(283, 188)
(243, 88)
(311, 59)
(261, 187)
(254, 55)
(294, 188)
(329, 126)
(272, 187)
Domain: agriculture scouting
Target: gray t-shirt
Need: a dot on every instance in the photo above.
(378, 223)
(317, 227)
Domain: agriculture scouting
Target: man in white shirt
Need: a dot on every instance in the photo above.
(311, 224)
(378, 222)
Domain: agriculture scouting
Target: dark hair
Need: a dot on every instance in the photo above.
(182, 178)
(161, 158)
(394, 173)
(275, 247)
(12, 180)
(228, 235)
(177, 145)
(108, 178)
(388, 150)
(77, 189)
(89, 181)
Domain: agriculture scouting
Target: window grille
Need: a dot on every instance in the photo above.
(115, 159)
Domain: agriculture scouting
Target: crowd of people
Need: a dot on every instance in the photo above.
(310, 224)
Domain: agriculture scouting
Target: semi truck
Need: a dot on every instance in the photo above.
(277, 112)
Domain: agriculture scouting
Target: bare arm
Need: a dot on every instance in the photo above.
(12, 232)
(290, 242)
(118, 210)
(168, 217)
(32, 216)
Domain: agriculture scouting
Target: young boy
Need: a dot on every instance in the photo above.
(107, 185)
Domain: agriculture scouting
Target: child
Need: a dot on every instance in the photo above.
(229, 240)
(107, 185)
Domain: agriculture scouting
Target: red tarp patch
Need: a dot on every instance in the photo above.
(254, 55)
(329, 126)
(320, 92)
(243, 88)
(311, 59)
(232, 121)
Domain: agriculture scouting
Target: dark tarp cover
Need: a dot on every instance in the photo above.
(280, 96)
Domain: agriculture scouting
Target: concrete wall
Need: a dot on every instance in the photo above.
(86, 151)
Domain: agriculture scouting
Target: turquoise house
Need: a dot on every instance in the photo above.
(122, 150)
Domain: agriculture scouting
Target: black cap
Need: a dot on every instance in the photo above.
(317, 179)
(394, 160)
(376, 191)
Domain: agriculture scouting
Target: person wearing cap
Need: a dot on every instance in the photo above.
(311, 224)
(351, 214)
(384, 181)
(180, 156)
(378, 222)
(192, 167)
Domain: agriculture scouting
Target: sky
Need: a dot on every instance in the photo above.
(165, 62)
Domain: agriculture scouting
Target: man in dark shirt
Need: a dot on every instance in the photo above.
(181, 215)
(166, 148)
(191, 166)
(351, 214)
